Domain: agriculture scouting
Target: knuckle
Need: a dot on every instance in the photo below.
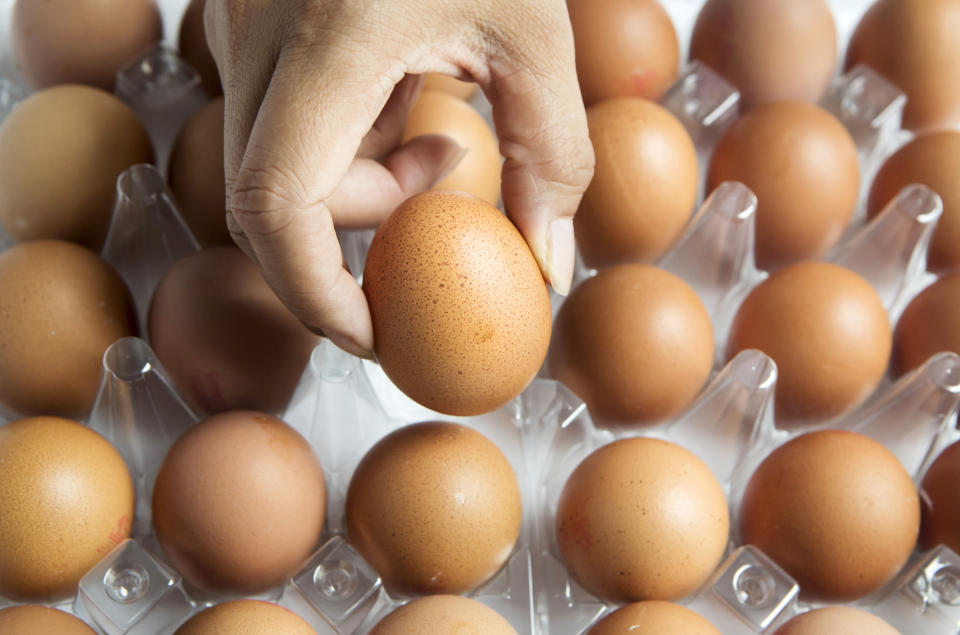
(264, 201)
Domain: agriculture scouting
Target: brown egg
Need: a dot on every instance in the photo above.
(914, 44)
(770, 50)
(239, 502)
(224, 336)
(435, 508)
(642, 519)
(625, 48)
(644, 186)
(443, 615)
(449, 85)
(461, 315)
(653, 618)
(802, 164)
(478, 173)
(194, 49)
(67, 500)
(61, 306)
(61, 152)
(246, 617)
(40, 620)
(196, 175)
(941, 501)
(836, 510)
(635, 343)
(933, 160)
(929, 325)
(836, 620)
(82, 41)
(828, 332)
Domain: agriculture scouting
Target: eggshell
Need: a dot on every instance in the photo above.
(802, 164)
(196, 175)
(836, 510)
(653, 618)
(40, 620)
(914, 44)
(61, 151)
(461, 315)
(770, 50)
(443, 615)
(449, 85)
(246, 617)
(67, 500)
(61, 306)
(644, 186)
(625, 48)
(81, 41)
(239, 502)
(940, 501)
(828, 332)
(836, 620)
(194, 49)
(435, 508)
(478, 172)
(933, 160)
(930, 324)
(223, 335)
(635, 343)
(642, 519)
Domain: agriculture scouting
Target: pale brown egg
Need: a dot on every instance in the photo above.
(802, 164)
(196, 175)
(940, 500)
(642, 519)
(61, 306)
(239, 502)
(449, 85)
(82, 41)
(625, 48)
(40, 620)
(443, 615)
(828, 332)
(194, 49)
(644, 185)
(435, 508)
(836, 620)
(653, 618)
(246, 617)
(635, 343)
(933, 160)
(461, 315)
(770, 50)
(836, 510)
(61, 152)
(914, 44)
(67, 501)
(478, 173)
(930, 324)
(224, 336)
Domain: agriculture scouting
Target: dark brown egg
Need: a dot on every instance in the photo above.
(828, 332)
(802, 164)
(239, 502)
(940, 499)
(644, 186)
(930, 324)
(836, 510)
(194, 48)
(770, 50)
(635, 343)
(653, 618)
(914, 44)
(32, 619)
(625, 48)
(836, 620)
(224, 336)
(246, 617)
(443, 615)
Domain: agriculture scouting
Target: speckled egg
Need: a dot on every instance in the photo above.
(450, 85)
(653, 618)
(246, 617)
(443, 615)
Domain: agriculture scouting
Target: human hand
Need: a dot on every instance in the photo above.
(317, 92)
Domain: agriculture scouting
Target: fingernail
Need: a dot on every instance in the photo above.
(453, 159)
(560, 255)
(348, 344)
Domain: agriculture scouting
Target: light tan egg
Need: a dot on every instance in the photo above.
(246, 617)
(194, 48)
(653, 618)
(443, 615)
(836, 620)
(449, 85)
(32, 619)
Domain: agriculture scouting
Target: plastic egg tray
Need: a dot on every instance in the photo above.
(344, 405)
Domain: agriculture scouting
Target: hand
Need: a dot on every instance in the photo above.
(317, 92)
